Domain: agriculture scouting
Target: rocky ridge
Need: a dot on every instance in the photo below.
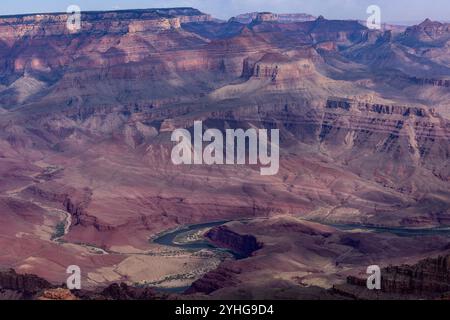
(121, 22)
(428, 278)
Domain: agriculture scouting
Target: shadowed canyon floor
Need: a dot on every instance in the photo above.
(86, 176)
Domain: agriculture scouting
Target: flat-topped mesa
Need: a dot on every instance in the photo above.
(295, 17)
(186, 15)
(247, 18)
(123, 21)
(394, 110)
(278, 67)
(266, 17)
(405, 111)
(269, 66)
(431, 82)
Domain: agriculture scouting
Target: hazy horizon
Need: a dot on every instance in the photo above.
(392, 11)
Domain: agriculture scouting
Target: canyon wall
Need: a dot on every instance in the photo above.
(429, 278)
(245, 245)
(120, 22)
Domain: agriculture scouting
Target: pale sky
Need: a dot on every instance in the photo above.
(392, 10)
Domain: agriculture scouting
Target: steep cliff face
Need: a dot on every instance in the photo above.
(428, 31)
(276, 67)
(122, 291)
(245, 245)
(73, 201)
(113, 22)
(247, 18)
(222, 277)
(57, 294)
(24, 284)
(432, 82)
(402, 134)
(266, 17)
(15, 286)
(186, 14)
(343, 33)
(429, 278)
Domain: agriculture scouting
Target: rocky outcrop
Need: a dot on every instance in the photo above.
(15, 286)
(186, 15)
(73, 201)
(81, 217)
(429, 278)
(223, 276)
(57, 294)
(405, 111)
(336, 103)
(342, 33)
(24, 285)
(265, 17)
(245, 245)
(427, 31)
(280, 68)
(431, 82)
(394, 110)
(121, 291)
(154, 25)
(279, 17)
(47, 194)
(132, 21)
(327, 46)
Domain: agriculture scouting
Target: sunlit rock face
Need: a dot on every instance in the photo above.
(151, 20)
(279, 17)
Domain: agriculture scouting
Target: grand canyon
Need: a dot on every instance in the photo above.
(86, 176)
